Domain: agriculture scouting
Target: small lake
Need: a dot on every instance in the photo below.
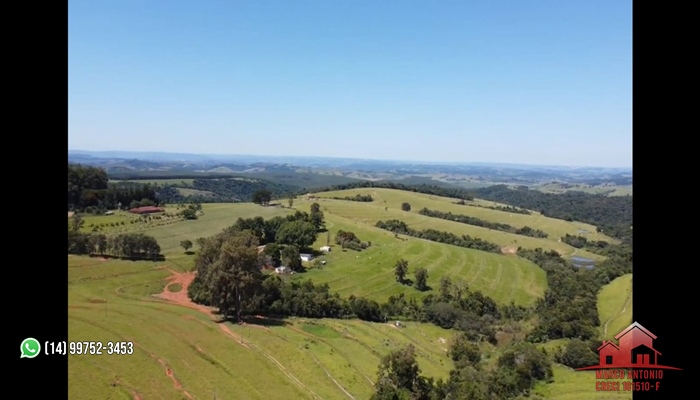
(583, 262)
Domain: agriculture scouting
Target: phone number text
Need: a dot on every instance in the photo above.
(88, 348)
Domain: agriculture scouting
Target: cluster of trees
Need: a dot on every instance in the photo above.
(612, 214)
(191, 211)
(514, 375)
(465, 219)
(581, 242)
(509, 209)
(127, 245)
(454, 193)
(421, 275)
(569, 307)
(262, 197)
(399, 227)
(358, 197)
(229, 276)
(89, 190)
(348, 240)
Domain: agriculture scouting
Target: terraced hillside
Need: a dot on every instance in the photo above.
(370, 274)
(181, 352)
(387, 205)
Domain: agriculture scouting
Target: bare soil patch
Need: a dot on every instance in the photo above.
(509, 249)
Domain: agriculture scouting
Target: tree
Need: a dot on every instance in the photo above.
(186, 244)
(316, 216)
(235, 275)
(301, 234)
(262, 197)
(399, 377)
(577, 354)
(291, 202)
(406, 207)
(464, 352)
(421, 279)
(446, 288)
(328, 238)
(400, 270)
(273, 251)
(291, 258)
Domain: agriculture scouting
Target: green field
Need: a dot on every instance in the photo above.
(371, 212)
(370, 273)
(615, 306)
(608, 190)
(180, 351)
(575, 385)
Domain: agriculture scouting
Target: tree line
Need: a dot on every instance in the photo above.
(611, 214)
(365, 198)
(465, 219)
(513, 376)
(89, 189)
(125, 245)
(399, 227)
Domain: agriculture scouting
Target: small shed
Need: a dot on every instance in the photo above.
(306, 257)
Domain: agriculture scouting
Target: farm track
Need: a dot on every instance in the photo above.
(180, 298)
(624, 308)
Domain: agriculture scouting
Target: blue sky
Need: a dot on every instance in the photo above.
(534, 82)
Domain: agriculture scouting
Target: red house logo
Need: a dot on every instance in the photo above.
(635, 350)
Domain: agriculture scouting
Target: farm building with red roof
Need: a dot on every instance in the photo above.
(146, 210)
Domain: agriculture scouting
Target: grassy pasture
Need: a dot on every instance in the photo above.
(608, 190)
(180, 351)
(370, 273)
(371, 212)
(112, 300)
(575, 385)
(194, 192)
(615, 306)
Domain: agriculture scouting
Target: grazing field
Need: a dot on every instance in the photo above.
(180, 352)
(575, 385)
(615, 306)
(608, 190)
(370, 274)
(161, 182)
(387, 205)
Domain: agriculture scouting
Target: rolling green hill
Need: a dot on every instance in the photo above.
(181, 352)
(370, 213)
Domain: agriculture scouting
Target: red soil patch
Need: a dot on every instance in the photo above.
(180, 298)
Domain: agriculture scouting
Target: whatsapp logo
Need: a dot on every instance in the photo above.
(30, 348)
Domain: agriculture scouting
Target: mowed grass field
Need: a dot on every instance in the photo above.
(615, 306)
(181, 353)
(371, 212)
(369, 273)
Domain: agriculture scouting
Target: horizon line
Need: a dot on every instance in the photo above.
(457, 163)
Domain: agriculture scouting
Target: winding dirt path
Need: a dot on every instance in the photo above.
(180, 298)
(627, 302)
